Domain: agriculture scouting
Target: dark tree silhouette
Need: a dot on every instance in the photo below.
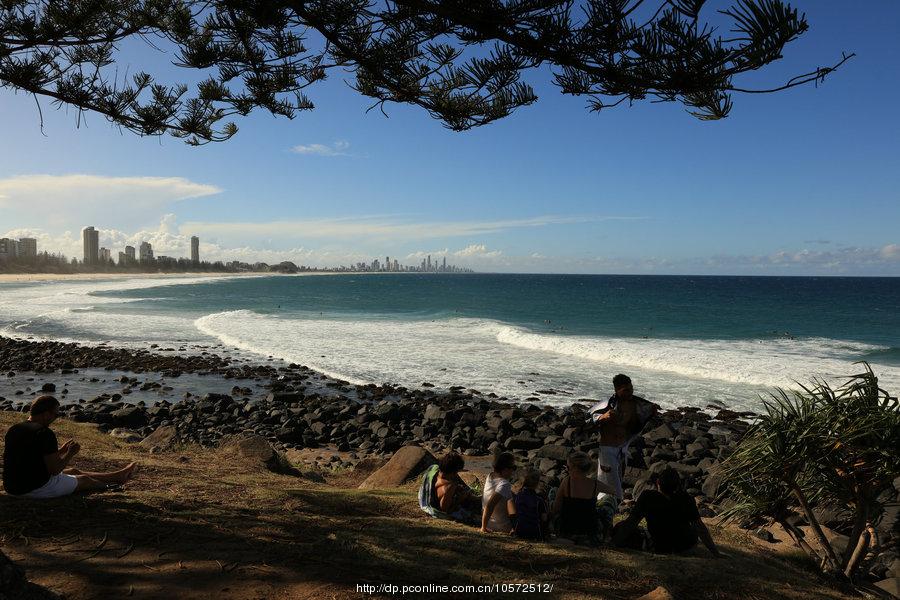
(461, 60)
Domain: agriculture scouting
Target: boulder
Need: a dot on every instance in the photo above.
(554, 451)
(661, 433)
(633, 474)
(523, 441)
(132, 417)
(284, 397)
(433, 412)
(255, 451)
(685, 470)
(163, 437)
(711, 484)
(405, 464)
(126, 435)
(659, 593)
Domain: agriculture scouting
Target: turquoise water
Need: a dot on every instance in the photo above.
(685, 340)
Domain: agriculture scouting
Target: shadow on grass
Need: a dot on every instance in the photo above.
(304, 540)
(194, 524)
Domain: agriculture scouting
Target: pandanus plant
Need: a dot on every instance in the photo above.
(819, 447)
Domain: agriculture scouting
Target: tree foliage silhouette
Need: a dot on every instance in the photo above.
(463, 61)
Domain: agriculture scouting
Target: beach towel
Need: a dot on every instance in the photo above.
(428, 500)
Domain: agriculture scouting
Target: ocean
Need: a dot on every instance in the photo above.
(539, 338)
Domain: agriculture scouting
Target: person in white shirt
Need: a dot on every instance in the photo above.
(497, 495)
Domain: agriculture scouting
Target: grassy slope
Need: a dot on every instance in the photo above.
(197, 524)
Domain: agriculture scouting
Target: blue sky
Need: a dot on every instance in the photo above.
(801, 182)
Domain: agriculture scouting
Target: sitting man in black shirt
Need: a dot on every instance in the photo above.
(673, 520)
(34, 466)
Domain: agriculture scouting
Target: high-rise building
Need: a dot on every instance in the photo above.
(91, 239)
(9, 248)
(195, 250)
(428, 263)
(146, 252)
(387, 263)
(105, 256)
(129, 255)
(123, 259)
(27, 247)
(444, 265)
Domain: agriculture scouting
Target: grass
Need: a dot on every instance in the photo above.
(196, 523)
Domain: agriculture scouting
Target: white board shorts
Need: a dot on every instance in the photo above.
(58, 486)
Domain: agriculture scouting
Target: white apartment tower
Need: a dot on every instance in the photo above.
(146, 252)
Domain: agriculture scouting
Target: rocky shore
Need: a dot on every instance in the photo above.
(296, 408)
(300, 408)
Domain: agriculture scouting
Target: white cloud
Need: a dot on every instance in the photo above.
(66, 201)
(890, 252)
(170, 239)
(381, 228)
(477, 250)
(339, 148)
(23, 189)
(167, 241)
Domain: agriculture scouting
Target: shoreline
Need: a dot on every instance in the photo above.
(38, 277)
(320, 428)
(297, 408)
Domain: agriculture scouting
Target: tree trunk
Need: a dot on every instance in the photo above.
(830, 558)
(858, 553)
(859, 528)
(798, 539)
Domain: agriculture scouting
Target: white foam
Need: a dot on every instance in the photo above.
(514, 362)
(775, 362)
(488, 355)
(68, 311)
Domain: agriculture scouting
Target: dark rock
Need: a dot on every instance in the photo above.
(255, 451)
(433, 412)
(131, 417)
(162, 438)
(554, 451)
(406, 463)
(685, 470)
(523, 442)
(662, 433)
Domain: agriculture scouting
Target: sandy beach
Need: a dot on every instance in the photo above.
(33, 277)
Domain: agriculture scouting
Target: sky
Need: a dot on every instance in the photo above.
(803, 182)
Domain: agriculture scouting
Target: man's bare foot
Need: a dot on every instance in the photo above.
(126, 473)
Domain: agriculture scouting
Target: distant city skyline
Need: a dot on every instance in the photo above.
(553, 188)
(99, 256)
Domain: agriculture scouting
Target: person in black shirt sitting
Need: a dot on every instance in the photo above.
(673, 520)
(35, 466)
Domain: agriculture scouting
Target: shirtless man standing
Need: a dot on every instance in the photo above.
(626, 419)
